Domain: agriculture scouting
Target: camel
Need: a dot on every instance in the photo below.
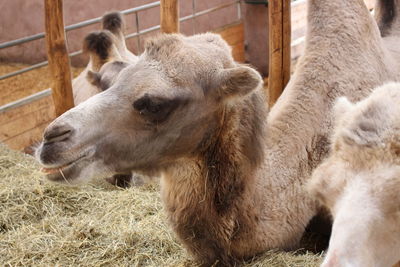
(232, 174)
(104, 47)
(360, 180)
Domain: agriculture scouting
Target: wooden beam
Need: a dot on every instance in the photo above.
(169, 16)
(58, 57)
(279, 47)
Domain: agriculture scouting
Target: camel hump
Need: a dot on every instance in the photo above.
(386, 15)
(98, 43)
(113, 21)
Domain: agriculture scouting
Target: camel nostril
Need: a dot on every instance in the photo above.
(57, 133)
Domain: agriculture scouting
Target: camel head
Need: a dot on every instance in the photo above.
(167, 106)
(360, 181)
(107, 75)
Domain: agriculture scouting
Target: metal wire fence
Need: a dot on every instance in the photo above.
(137, 34)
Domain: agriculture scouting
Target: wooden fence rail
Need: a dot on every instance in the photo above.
(169, 16)
(279, 47)
(58, 56)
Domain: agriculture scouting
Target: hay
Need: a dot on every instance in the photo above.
(45, 224)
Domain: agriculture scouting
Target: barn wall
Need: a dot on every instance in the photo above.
(30, 16)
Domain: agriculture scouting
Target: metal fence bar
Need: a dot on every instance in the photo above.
(132, 35)
(151, 29)
(239, 10)
(137, 31)
(76, 26)
(79, 52)
(157, 27)
(22, 40)
(25, 100)
(36, 66)
(200, 13)
(194, 13)
(11, 74)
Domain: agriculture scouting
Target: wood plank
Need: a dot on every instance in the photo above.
(286, 42)
(233, 34)
(21, 126)
(27, 138)
(25, 123)
(275, 50)
(57, 55)
(169, 16)
(16, 113)
(238, 53)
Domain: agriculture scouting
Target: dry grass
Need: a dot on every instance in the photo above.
(45, 224)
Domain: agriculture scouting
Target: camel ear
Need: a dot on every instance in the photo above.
(94, 78)
(236, 82)
(113, 22)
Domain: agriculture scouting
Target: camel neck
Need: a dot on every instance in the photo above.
(204, 195)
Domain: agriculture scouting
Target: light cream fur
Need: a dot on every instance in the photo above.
(360, 181)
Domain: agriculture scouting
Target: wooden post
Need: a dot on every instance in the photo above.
(169, 16)
(279, 47)
(58, 56)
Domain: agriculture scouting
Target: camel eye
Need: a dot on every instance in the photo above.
(155, 109)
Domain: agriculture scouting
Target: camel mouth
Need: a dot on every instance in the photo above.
(65, 172)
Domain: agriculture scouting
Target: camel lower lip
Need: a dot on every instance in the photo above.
(61, 172)
(59, 168)
(54, 170)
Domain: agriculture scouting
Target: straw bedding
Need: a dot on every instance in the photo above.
(46, 224)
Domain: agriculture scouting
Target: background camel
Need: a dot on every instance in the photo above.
(105, 46)
(359, 183)
(232, 181)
